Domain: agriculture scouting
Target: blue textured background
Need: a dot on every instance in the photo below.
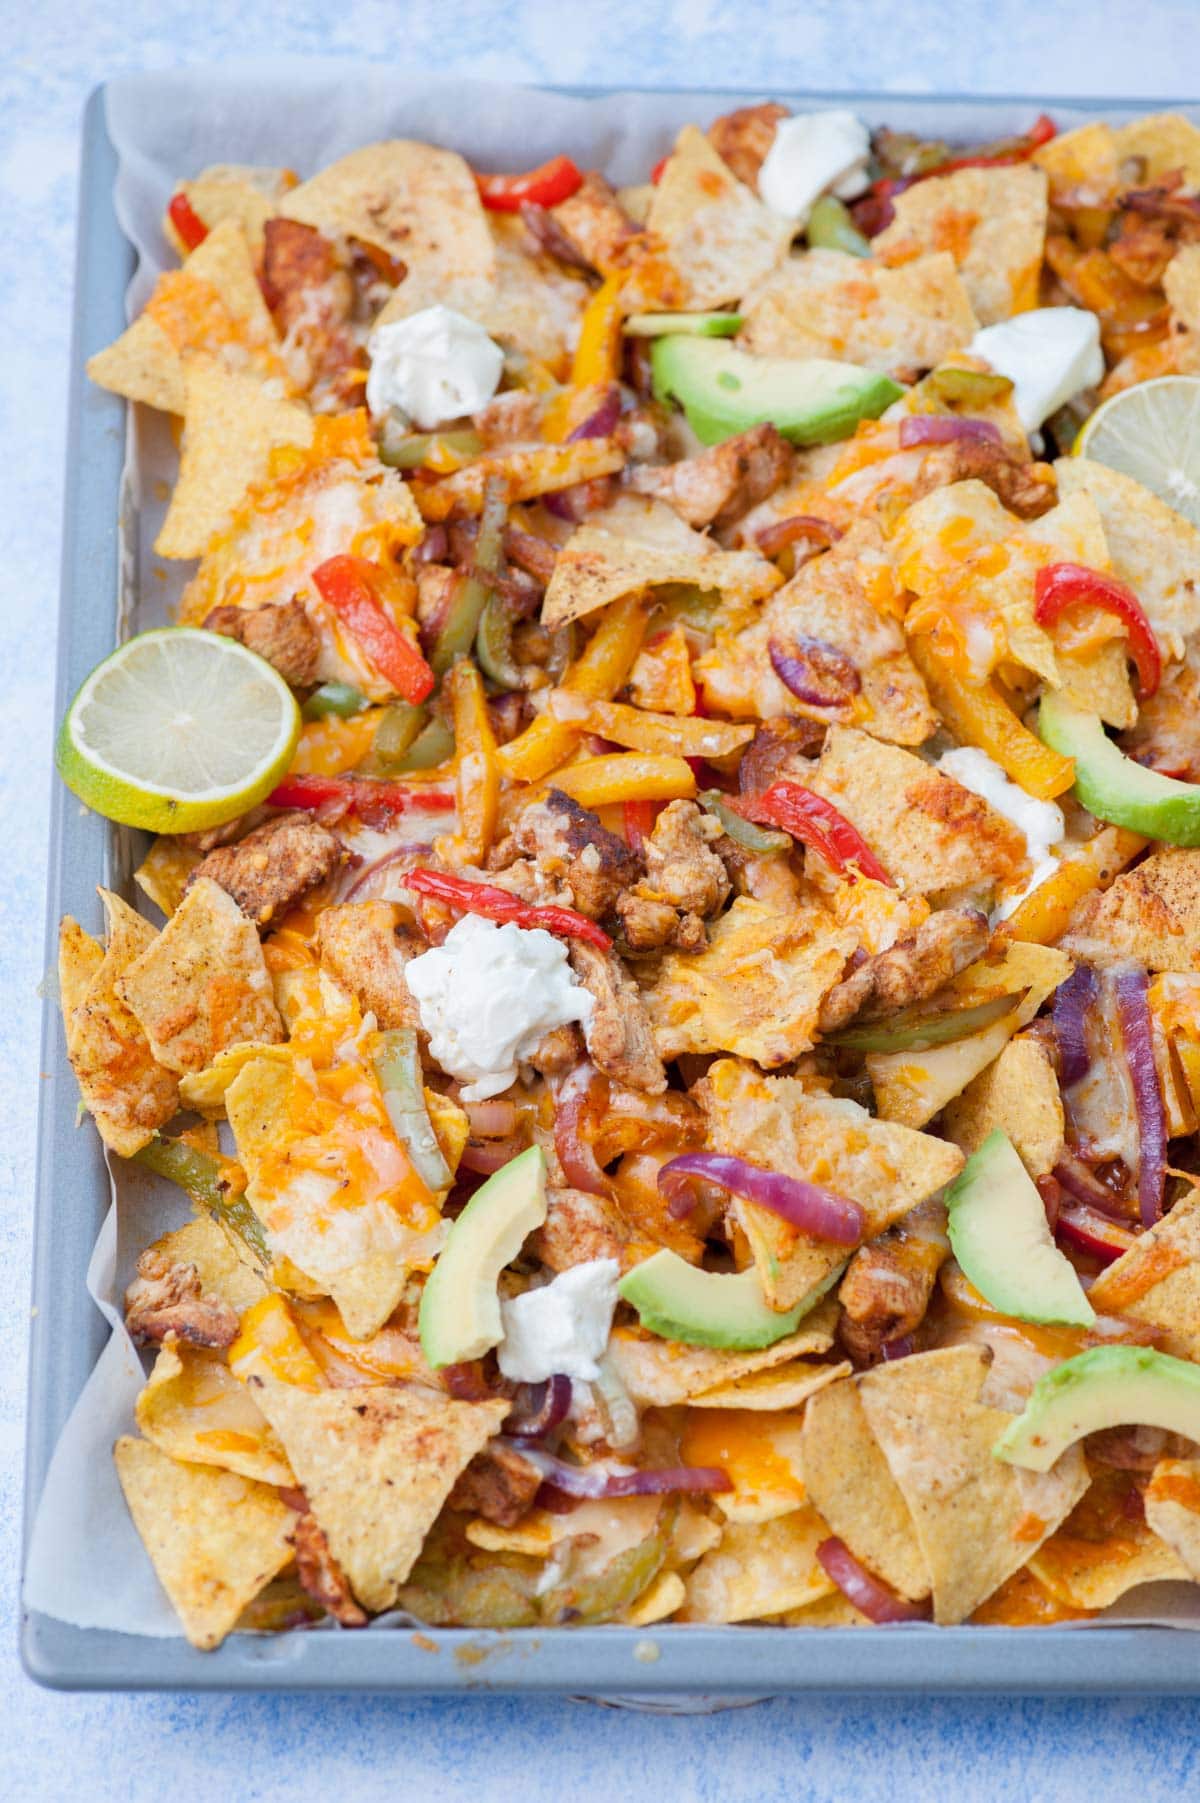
(52, 52)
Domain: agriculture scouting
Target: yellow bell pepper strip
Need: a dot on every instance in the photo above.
(270, 1345)
(597, 359)
(977, 714)
(477, 774)
(331, 746)
(1045, 914)
(524, 474)
(596, 674)
(627, 776)
(667, 734)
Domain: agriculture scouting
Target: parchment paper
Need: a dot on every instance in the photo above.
(86, 1563)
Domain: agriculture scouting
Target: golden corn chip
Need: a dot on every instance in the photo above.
(1104, 1547)
(1158, 1279)
(127, 1092)
(786, 1387)
(832, 1611)
(1181, 283)
(829, 304)
(760, 1453)
(194, 1409)
(142, 365)
(1086, 155)
(245, 194)
(1019, 1093)
(202, 986)
(205, 1090)
(658, 1602)
(164, 871)
(215, 1539)
(223, 1268)
(231, 425)
(1152, 548)
(993, 223)
(849, 1482)
(376, 1465)
(761, 1569)
(1172, 1502)
(1151, 914)
(535, 304)
(1160, 143)
(661, 1372)
(773, 1121)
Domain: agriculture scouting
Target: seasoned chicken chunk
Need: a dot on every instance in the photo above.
(1026, 489)
(887, 1286)
(595, 222)
(743, 138)
(572, 846)
(908, 971)
(498, 1484)
(311, 294)
(282, 633)
(619, 1036)
(721, 484)
(685, 882)
(321, 1575)
(166, 1300)
(361, 945)
(273, 866)
(578, 1227)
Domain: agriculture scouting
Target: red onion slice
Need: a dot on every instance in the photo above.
(494, 1119)
(418, 850)
(945, 428)
(781, 533)
(803, 1205)
(901, 1348)
(486, 1157)
(544, 1408)
(574, 1100)
(1073, 1003)
(869, 1594)
(434, 547)
(815, 672)
(586, 1481)
(1133, 1010)
(603, 421)
(1080, 1181)
(1093, 1232)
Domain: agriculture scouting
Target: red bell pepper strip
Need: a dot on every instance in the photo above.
(347, 584)
(1058, 586)
(639, 821)
(656, 174)
(186, 220)
(498, 904)
(542, 187)
(359, 795)
(817, 824)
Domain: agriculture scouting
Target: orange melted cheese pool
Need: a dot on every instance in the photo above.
(759, 1452)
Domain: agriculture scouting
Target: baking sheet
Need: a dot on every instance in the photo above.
(304, 114)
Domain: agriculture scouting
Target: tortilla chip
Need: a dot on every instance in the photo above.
(718, 237)
(756, 988)
(929, 832)
(760, 1569)
(1172, 1500)
(376, 1464)
(214, 1539)
(1152, 548)
(224, 1270)
(142, 365)
(535, 303)
(911, 1087)
(832, 1611)
(616, 1524)
(1181, 283)
(203, 984)
(840, 598)
(760, 1453)
(1158, 1279)
(773, 1121)
(658, 1601)
(992, 222)
(657, 1373)
(194, 1409)
(127, 1092)
(247, 194)
(786, 1387)
(977, 1520)
(848, 1480)
(231, 426)
(1086, 155)
(417, 203)
(164, 871)
(640, 543)
(1019, 1094)
(829, 304)
(1151, 914)
(205, 1090)
(1105, 1547)
(1162, 142)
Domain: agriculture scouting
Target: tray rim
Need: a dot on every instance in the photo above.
(67, 1332)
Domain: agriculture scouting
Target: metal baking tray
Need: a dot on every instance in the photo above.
(685, 1663)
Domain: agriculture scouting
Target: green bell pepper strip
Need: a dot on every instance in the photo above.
(830, 227)
(395, 736)
(409, 450)
(433, 745)
(398, 1067)
(203, 1180)
(457, 634)
(493, 646)
(340, 698)
(743, 832)
(967, 387)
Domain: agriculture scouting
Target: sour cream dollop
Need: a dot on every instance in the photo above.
(488, 994)
(433, 366)
(1048, 354)
(561, 1327)
(810, 155)
(1040, 822)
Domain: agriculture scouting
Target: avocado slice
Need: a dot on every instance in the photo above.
(724, 390)
(699, 325)
(1114, 788)
(460, 1307)
(677, 1301)
(1107, 1386)
(1001, 1238)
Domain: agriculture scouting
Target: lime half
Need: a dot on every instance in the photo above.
(178, 730)
(1152, 432)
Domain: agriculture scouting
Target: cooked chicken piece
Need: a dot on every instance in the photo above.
(498, 1484)
(887, 1286)
(743, 138)
(908, 971)
(720, 485)
(579, 1227)
(273, 866)
(595, 222)
(282, 633)
(780, 750)
(166, 1301)
(321, 1575)
(510, 418)
(361, 945)
(685, 882)
(1142, 249)
(436, 583)
(558, 1051)
(572, 846)
(1026, 489)
(311, 294)
(1167, 734)
(620, 1039)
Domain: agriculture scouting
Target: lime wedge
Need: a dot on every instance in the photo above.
(178, 730)
(1152, 432)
